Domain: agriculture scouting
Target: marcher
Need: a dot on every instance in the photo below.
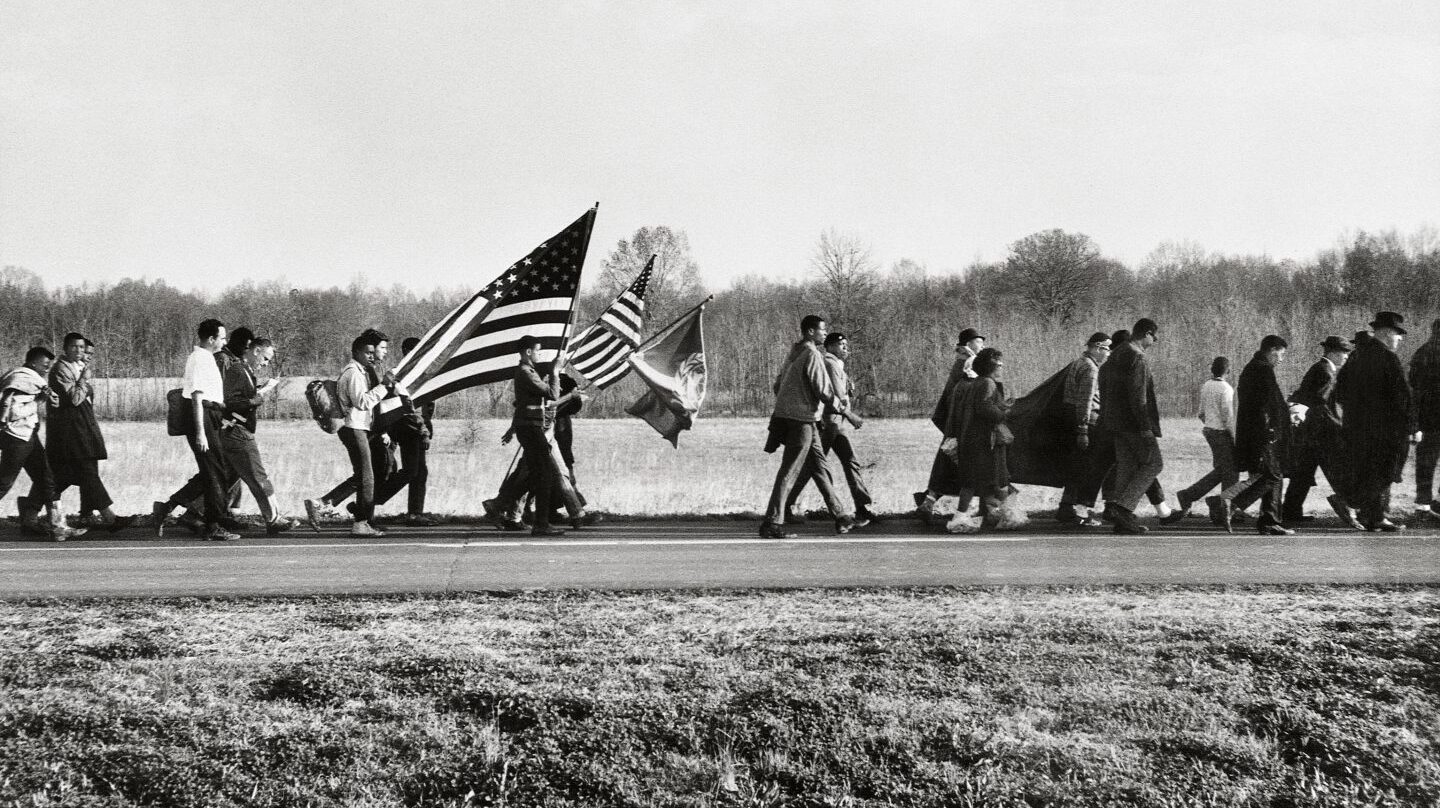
(409, 429)
(802, 392)
(1262, 438)
(1217, 425)
(977, 437)
(531, 393)
(507, 509)
(204, 390)
(1425, 382)
(21, 391)
(74, 444)
(381, 447)
(1317, 438)
(1131, 414)
(1377, 419)
(1082, 406)
(1101, 480)
(835, 432)
(242, 401)
(942, 468)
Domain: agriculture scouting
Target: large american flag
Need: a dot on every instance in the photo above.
(475, 343)
(599, 353)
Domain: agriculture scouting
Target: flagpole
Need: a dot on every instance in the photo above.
(584, 254)
(664, 332)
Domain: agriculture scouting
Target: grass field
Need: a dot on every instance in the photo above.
(1075, 697)
(623, 466)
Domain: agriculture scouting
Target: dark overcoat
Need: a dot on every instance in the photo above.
(976, 409)
(1376, 411)
(1262, 419)
(71, 431)
(1425, 383)
(1320, 431)
(1127, 393)
(957, 375)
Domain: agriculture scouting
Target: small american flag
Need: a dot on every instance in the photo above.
(475, 343)
(599, 353)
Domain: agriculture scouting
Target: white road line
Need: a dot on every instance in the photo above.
(213, 547)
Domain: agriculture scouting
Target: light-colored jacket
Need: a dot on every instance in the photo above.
(803, 388)
(20, 394)
(357, 401)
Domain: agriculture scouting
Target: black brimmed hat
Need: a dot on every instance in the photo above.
(1390, 320)
(967, 335)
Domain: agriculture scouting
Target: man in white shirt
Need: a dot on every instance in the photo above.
(1217, 422)
(204, 389)
(21, 391)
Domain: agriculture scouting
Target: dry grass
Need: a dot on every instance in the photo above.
(1250, 697)
(623, 466)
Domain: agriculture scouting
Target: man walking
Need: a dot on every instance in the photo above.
(1129, 411)
(1377, 420)
(74, 444)
(20, 448)
(1317, 438)
(835, 431)
(359, 390)
(1081, 398)
(204, 392)
(242, 400)
(802, 392)
(1425, 381)
(1262, 436)
(531, 394)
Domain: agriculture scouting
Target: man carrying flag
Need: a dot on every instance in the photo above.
(599, 357)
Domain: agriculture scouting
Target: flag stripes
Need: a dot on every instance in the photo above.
(475, 343)
(599, 353)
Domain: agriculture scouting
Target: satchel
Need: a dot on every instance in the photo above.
(325, 405)
(178, 412)
(1002, 436)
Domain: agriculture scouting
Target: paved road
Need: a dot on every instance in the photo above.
(645, 555)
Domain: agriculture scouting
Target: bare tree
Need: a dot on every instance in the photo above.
(849, 277)
(674, 282)
(1054, 271)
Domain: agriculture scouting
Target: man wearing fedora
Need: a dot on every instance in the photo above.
(942, 469)
(1425, 381)
(1377, 419)
(1317, 438)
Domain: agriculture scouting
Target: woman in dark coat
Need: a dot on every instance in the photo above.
(978, 410)
(74, 444)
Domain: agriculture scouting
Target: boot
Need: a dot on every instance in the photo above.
(30, 517)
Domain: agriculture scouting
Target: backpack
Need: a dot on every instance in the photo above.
(325, 405)
(178, 412)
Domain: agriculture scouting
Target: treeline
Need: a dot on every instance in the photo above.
(1038, 305)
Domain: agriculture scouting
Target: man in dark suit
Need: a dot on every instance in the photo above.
(1425, 381)
(1131, 415)
(1317, 438)
(1262, 435)
(1377, 419)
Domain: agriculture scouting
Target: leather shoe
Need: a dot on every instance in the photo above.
(845, 524)
(1220, 513)
(1384, 526)
(120, 523)
(1342, 510)
(770, 530)
(1274, 530)
(1174, 517)
(1127, 525)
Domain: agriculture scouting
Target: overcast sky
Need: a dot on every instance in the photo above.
(434, 143)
